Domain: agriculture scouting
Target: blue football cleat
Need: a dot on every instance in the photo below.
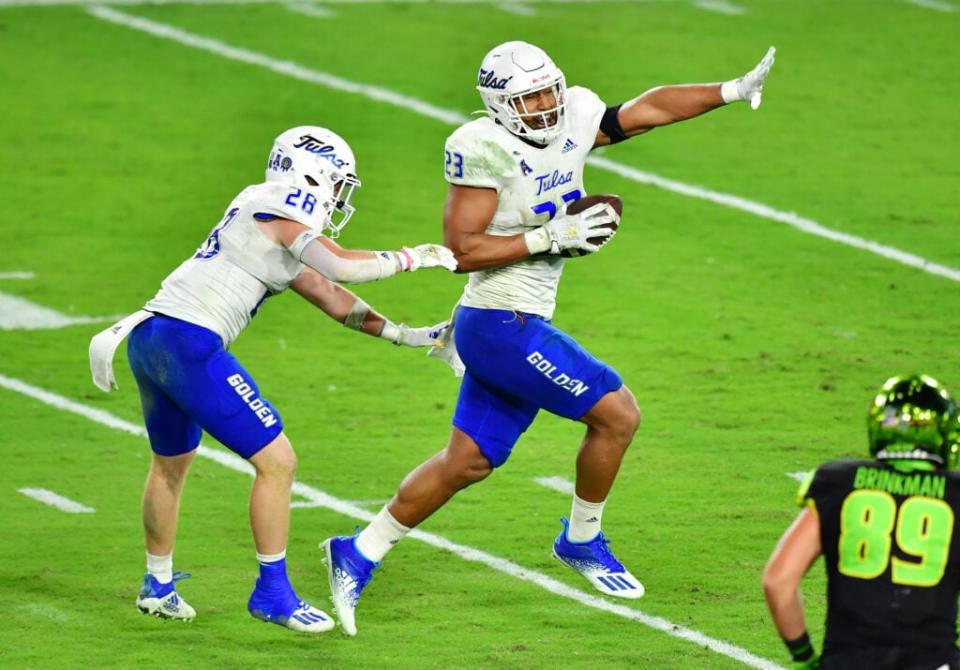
(596, 562)
(288, 610)
(162, 600)
(349, 572)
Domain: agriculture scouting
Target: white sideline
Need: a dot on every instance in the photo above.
(321, 499)
(56, 500)
(453, 117)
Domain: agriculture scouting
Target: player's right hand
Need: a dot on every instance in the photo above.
(427, 256)
(586, 231)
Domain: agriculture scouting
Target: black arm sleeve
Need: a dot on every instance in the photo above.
(610, 125)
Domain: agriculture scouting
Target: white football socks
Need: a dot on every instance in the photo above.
(380, 536)
(161, 567)
(584, 520)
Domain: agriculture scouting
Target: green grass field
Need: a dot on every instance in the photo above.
(753, 348)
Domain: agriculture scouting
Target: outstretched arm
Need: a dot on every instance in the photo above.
(345, 307)
(793, 556)
(352, 265)
(664, 105)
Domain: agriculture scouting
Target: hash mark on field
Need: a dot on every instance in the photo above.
(58, 501)
(721, 7)
(20, 314)
(234, 462)
(453, 117)
(799, 476)
(556, 483)
(17, 275)
(933, 4)
(518, 8)
(310, 9)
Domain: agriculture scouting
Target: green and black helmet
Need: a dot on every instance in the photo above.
(914, 418)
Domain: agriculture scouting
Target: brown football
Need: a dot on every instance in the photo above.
(587, 202)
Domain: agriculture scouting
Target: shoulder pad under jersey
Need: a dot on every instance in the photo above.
(309, 206)
(474, 155)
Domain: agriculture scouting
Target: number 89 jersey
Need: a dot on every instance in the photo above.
(223, 284)
(889, 539)
(533, 184)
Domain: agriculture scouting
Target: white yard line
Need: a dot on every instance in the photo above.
(935, 5)
(556, 483)
(18, 313)
(17, 275)
(58, 501)
(347, 508)
(453, 117)
(311, 9)
(721, 7)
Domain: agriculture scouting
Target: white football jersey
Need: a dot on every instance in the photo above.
(221, 286)
(533, 184)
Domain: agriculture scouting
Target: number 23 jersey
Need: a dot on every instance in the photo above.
(533, 185)
(892, 553)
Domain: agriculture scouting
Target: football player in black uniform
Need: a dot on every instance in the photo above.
(887, 531)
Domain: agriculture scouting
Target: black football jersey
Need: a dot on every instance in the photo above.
(892, 552)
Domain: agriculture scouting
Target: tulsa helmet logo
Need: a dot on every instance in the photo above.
(488, 79)
(321, 149)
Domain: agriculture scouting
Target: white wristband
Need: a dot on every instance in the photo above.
(730, 92)
(537, 240)
(390, 332)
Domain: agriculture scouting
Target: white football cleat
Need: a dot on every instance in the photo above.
(162, 600)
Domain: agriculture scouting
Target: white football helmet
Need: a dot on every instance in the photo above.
(513, 70)
(309, 156)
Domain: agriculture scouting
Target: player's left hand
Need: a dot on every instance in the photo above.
(420, 337)
(750, 85)
(427, 256)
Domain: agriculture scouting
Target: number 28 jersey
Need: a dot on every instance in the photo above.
(533, 185)
(223, 284)
(892, 553)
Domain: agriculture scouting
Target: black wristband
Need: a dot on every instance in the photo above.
(800, 649)
(610, 125)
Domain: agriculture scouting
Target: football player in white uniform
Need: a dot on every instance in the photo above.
(272, 236)
(511, 175)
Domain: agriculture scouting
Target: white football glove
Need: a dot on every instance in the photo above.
(400, 334)
(573, 231)
(426, 256)
(749, 87)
